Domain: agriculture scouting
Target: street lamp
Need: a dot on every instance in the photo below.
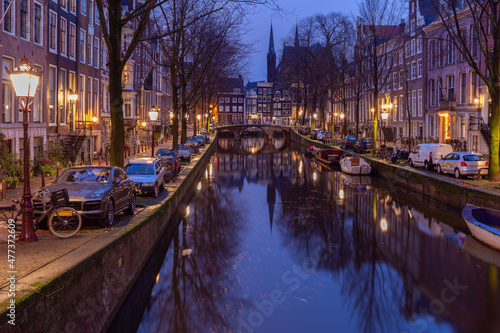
(153, 115)
(25, 80)
(198, 117)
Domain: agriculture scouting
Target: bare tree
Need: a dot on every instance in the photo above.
(378, 24)
(113, 18)
(455, 15)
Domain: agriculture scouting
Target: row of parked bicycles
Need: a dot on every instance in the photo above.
(392, 153)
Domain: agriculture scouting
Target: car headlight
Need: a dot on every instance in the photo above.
(42, 194)
(96, 194)
(148, 184)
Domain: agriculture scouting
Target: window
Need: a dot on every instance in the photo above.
(63, 27)
(96, 15)
(72, 6)
(89, 49)
(432, 53)
(128, 108)
(400, 107)
(463, 90)
(412, 26)
(474, 42)
(62, 96)
(419, 44)
(432, 126)
(419, 68)
(38, 24)
(462, 126)
(52, 31)
(72, 40)
(8, 92)
(464, 39)
(401, 79)
(451, 51)
(36, 107)
(395, 81)
(82, 46)
(451, 87)
(90, 11)
(24, 19)
(419, 103)
(408, 49)
(473, 86)
(413, 47)
(413, 102)
(96, 52)
(432, 92)
(8, 21)
(52, 95)
(64, 3)
(83, 7)
(440, 88)
(413, 70)
(440, 52)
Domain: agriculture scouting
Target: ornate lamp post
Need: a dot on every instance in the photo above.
(342, 120)
(199, 125)
(153, 115)
(25, 79)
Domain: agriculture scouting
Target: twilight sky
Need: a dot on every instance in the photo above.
(282, 25)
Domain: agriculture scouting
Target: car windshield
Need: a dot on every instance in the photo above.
(85, 175)
(473, 158)
(140, 169)
(183, 147)
(165, 153)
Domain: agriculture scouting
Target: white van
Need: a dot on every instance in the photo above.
(428, 154)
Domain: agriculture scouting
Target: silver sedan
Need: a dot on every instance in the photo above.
(463, 164)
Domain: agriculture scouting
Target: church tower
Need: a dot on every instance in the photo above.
(271, 59)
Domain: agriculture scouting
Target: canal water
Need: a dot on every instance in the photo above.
(273, 242)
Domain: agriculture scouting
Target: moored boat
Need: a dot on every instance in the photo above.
(484, 224)
(355, 165)
(329, 156)
(311, 151)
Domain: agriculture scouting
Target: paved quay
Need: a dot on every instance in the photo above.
(37, 263)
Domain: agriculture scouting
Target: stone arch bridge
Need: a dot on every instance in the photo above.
(267, 129)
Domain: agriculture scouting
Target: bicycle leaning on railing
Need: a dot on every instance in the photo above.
(62, 221)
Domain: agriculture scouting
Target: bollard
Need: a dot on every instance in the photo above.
(4, 189)
(107, 160)
(43, 179)
(99, 160)
(57, 171)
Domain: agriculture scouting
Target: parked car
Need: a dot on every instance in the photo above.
(427, 154)
(98, 192)
(327, 137)
(191, 141)
(148, 175)
(200, 139)
(183, 152)
(348, 142)
(319, 135)
(206, 136)
(314, 133)
(171, 155)
(304, 130)
(463, 164)
(363, 145)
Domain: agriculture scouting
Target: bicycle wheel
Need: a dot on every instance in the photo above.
(64, 222)
(9, 228)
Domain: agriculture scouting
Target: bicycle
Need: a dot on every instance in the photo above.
(62, 221)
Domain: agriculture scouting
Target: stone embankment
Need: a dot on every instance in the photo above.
(78, 284)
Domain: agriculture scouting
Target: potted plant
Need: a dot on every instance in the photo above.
(11, 181)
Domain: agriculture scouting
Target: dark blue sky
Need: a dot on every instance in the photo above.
(282, 25)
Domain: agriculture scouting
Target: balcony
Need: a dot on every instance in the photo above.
(449, 104)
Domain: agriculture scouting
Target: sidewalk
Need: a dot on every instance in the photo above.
(36, 263)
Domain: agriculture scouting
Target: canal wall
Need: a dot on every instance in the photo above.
(86, 296)
(448, 191)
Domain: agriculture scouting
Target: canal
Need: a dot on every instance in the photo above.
(273, 242)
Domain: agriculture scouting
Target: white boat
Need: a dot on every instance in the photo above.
(355, 165)
(484, 224)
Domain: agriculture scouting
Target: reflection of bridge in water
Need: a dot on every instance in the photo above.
(267, 129)
(254, 145)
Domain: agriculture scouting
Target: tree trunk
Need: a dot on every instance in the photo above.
(493, 172)
(117, 155)
(375, 120)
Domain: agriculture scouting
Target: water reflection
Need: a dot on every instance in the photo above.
(273, 244)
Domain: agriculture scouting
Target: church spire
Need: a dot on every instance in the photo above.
(271, 42)
(271, 58)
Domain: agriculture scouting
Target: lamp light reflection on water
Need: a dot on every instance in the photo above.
(341, 194)
(383, 224)
(199, 186)
(315, 176)
(188, 210)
